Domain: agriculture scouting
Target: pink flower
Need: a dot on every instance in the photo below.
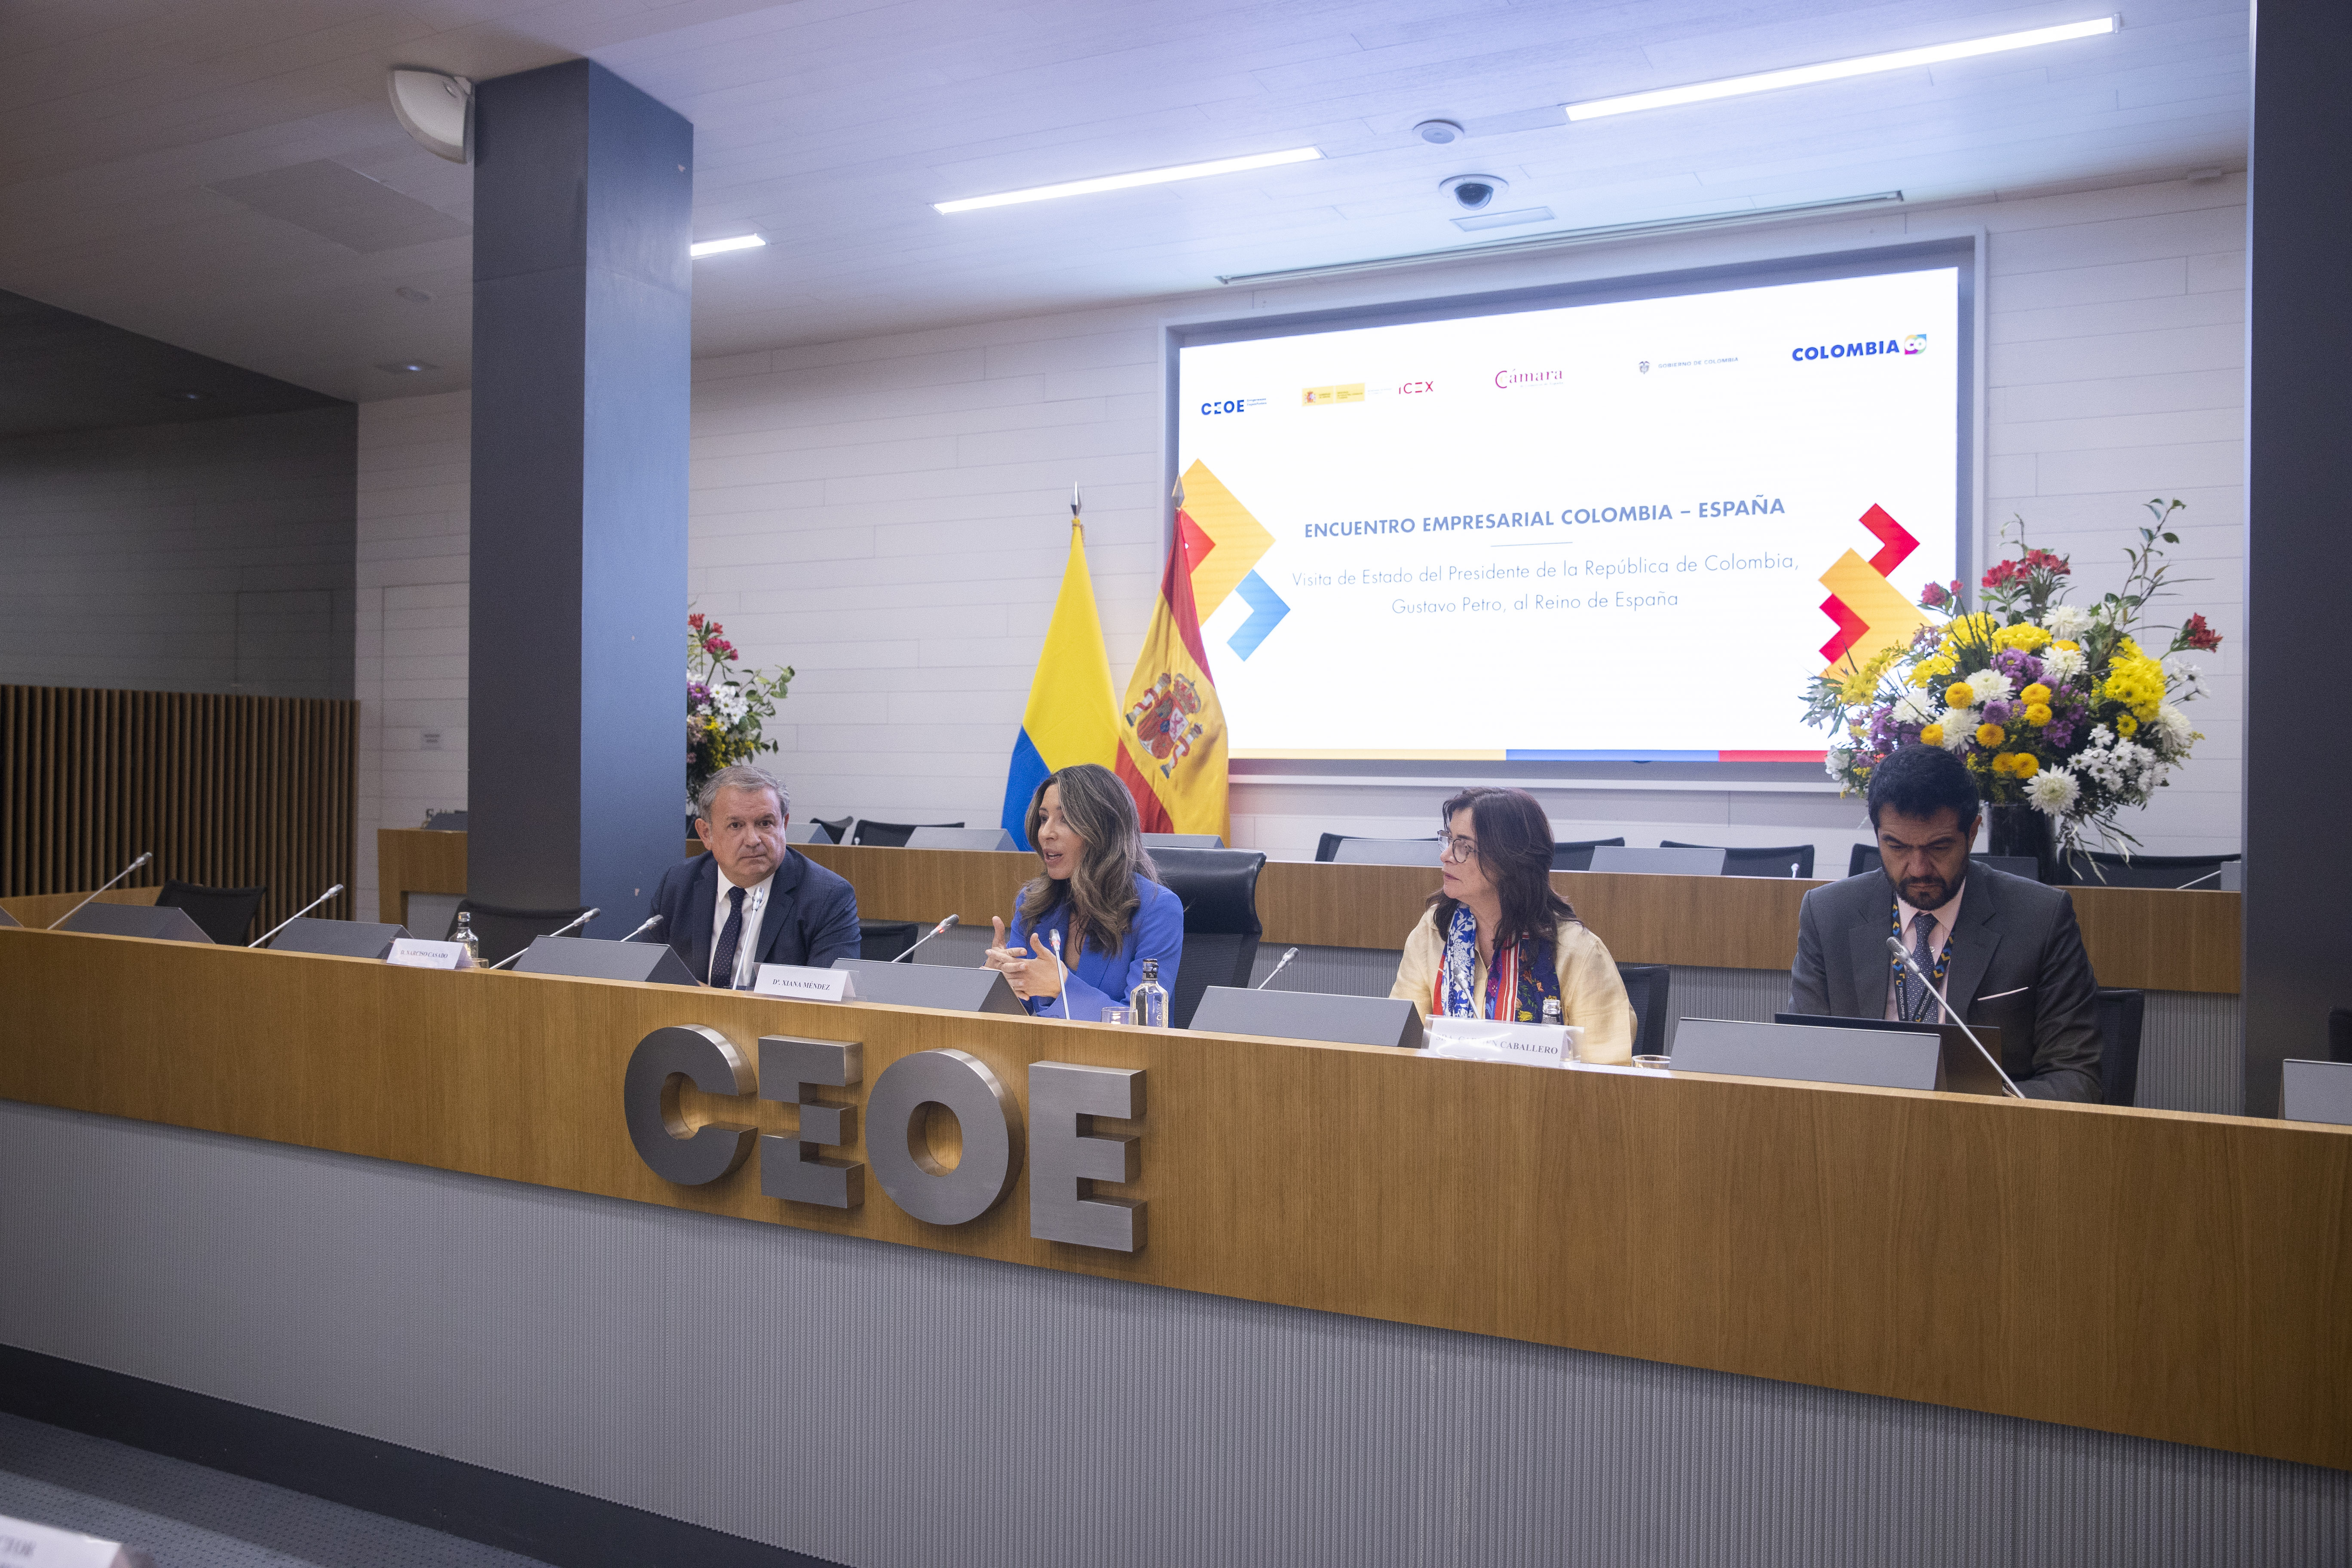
(2195, 633)
(1935, 596)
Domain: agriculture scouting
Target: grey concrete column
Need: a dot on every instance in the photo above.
(2298, 756)
(583, 192)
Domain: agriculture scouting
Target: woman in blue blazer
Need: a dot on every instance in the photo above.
(1100, 896)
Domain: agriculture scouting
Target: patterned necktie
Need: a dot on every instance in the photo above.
(722, 960)
(1917, 1000)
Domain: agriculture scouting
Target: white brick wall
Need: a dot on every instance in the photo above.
(888, 515)
(411, 665)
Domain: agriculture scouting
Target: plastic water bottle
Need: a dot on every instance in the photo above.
(1551, 1012)
(1150, 1000)
(464, 937)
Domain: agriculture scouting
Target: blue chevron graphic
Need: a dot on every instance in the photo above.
(1266, 610)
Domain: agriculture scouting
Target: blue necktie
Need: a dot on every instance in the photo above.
(723, 960)
(1917, 1000)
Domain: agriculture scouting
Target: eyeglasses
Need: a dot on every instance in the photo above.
(1458, 849)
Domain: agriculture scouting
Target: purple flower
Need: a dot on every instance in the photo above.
(2020, 666)
(2059, 733)
(1996, 712)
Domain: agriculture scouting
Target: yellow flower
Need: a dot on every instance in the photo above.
(2126, 648)
(1933, 735)
(2069, 646)
(2127, 726)
(1959, 694)
(2037, 714)
(2137, 683)
(1858, 685)
(1991, 735)
(2025, 635)
(1928, 671)
(1976, 628)
(2037, 693)
(2001, 764)
(2023, 764)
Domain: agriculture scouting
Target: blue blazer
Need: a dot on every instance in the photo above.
(812, 917)
(1098, 979)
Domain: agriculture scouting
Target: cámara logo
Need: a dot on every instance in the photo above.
(1506, 379)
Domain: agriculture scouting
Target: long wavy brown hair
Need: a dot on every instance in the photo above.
(1101, 890)
(1514, 846)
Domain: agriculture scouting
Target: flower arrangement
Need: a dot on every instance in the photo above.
(2052, 706)
(724, 709)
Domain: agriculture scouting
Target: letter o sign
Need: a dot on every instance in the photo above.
(915, 1182)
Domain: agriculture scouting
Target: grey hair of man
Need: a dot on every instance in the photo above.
(740, 776)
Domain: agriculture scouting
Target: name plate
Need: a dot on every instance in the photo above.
(802, 983)
(1491, 1040)
(418, 953)
(40, 1546)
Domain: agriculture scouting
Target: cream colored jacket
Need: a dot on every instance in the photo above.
(1592, 996)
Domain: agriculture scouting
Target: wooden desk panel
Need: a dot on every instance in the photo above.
(2136, 936)
(39, 910)
(2171, 1275)
(415, 860)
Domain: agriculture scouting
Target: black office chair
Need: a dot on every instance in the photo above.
(444, 821)
(503, 933)
(224, 914)
(891, 835)
(885, 939)
(1219, 890)
(2339, 1034)
(1648, 987)
(1578, 857)
(2101, 869)
(835, 830)
(2120, 1014)
(1327, 848)
(1796, 861)
(1865, 857)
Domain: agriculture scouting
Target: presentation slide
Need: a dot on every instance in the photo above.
(1618, 531)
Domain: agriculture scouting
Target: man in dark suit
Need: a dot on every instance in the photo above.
(2006, 951)
(752, 900)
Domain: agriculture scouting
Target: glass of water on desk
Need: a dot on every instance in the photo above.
(1118, 1015)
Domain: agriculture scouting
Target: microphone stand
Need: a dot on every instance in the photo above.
(559, 930)
(297, 915)
(651, 921)
(1054, 938)
(69, 914)
(946, 924)
(1277, 969)
(1894, 946)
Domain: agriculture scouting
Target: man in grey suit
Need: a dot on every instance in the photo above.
(2006, 951)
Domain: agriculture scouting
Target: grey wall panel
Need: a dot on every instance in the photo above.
(881, 1406)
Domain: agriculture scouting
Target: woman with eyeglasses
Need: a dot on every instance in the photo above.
(1497, 942)
(1083, 928)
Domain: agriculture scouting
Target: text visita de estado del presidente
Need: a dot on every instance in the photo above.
(1628, 583)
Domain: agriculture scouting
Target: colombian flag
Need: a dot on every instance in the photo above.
(1171, 734)
(1070, 718)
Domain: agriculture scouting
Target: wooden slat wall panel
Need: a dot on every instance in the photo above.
(229, 792)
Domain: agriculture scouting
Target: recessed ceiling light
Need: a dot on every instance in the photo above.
(1438, 133)
(1141, 178)
(406, 366)
(720, 246)
(1861, 65)
(183, 395)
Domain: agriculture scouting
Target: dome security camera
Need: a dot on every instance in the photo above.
(1472, 192)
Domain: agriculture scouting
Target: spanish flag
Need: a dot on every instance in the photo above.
(1171, 734)
(1070, 718)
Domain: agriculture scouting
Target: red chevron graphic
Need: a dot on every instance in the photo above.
(1850, 625)
(1898, 544)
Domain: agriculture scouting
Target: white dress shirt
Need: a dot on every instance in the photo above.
(1945, 919)
(755, 904)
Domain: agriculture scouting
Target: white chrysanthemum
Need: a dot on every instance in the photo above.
(1915, 707)
(2062, 664)
(1959, 724)
(2065, 621)
(2173, 725)
(2182, 679)
(1990, 686)
(2053, 791)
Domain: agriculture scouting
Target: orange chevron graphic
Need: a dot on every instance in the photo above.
(1870, 612)
(1241, 540)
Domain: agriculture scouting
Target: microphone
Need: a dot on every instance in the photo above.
(559, 930)
(144, 857)
(297, 915)
(1054, 940)
(944, 925)
(1894, 946)
(641, 930)
(1277, 969)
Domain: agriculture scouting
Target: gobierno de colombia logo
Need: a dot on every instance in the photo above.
(1914, 344)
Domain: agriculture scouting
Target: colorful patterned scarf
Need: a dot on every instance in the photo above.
(1522, 973)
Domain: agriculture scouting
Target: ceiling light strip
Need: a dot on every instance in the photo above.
(1561, 238)
(1834, 70)
(702, 248)
(1142, 177)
